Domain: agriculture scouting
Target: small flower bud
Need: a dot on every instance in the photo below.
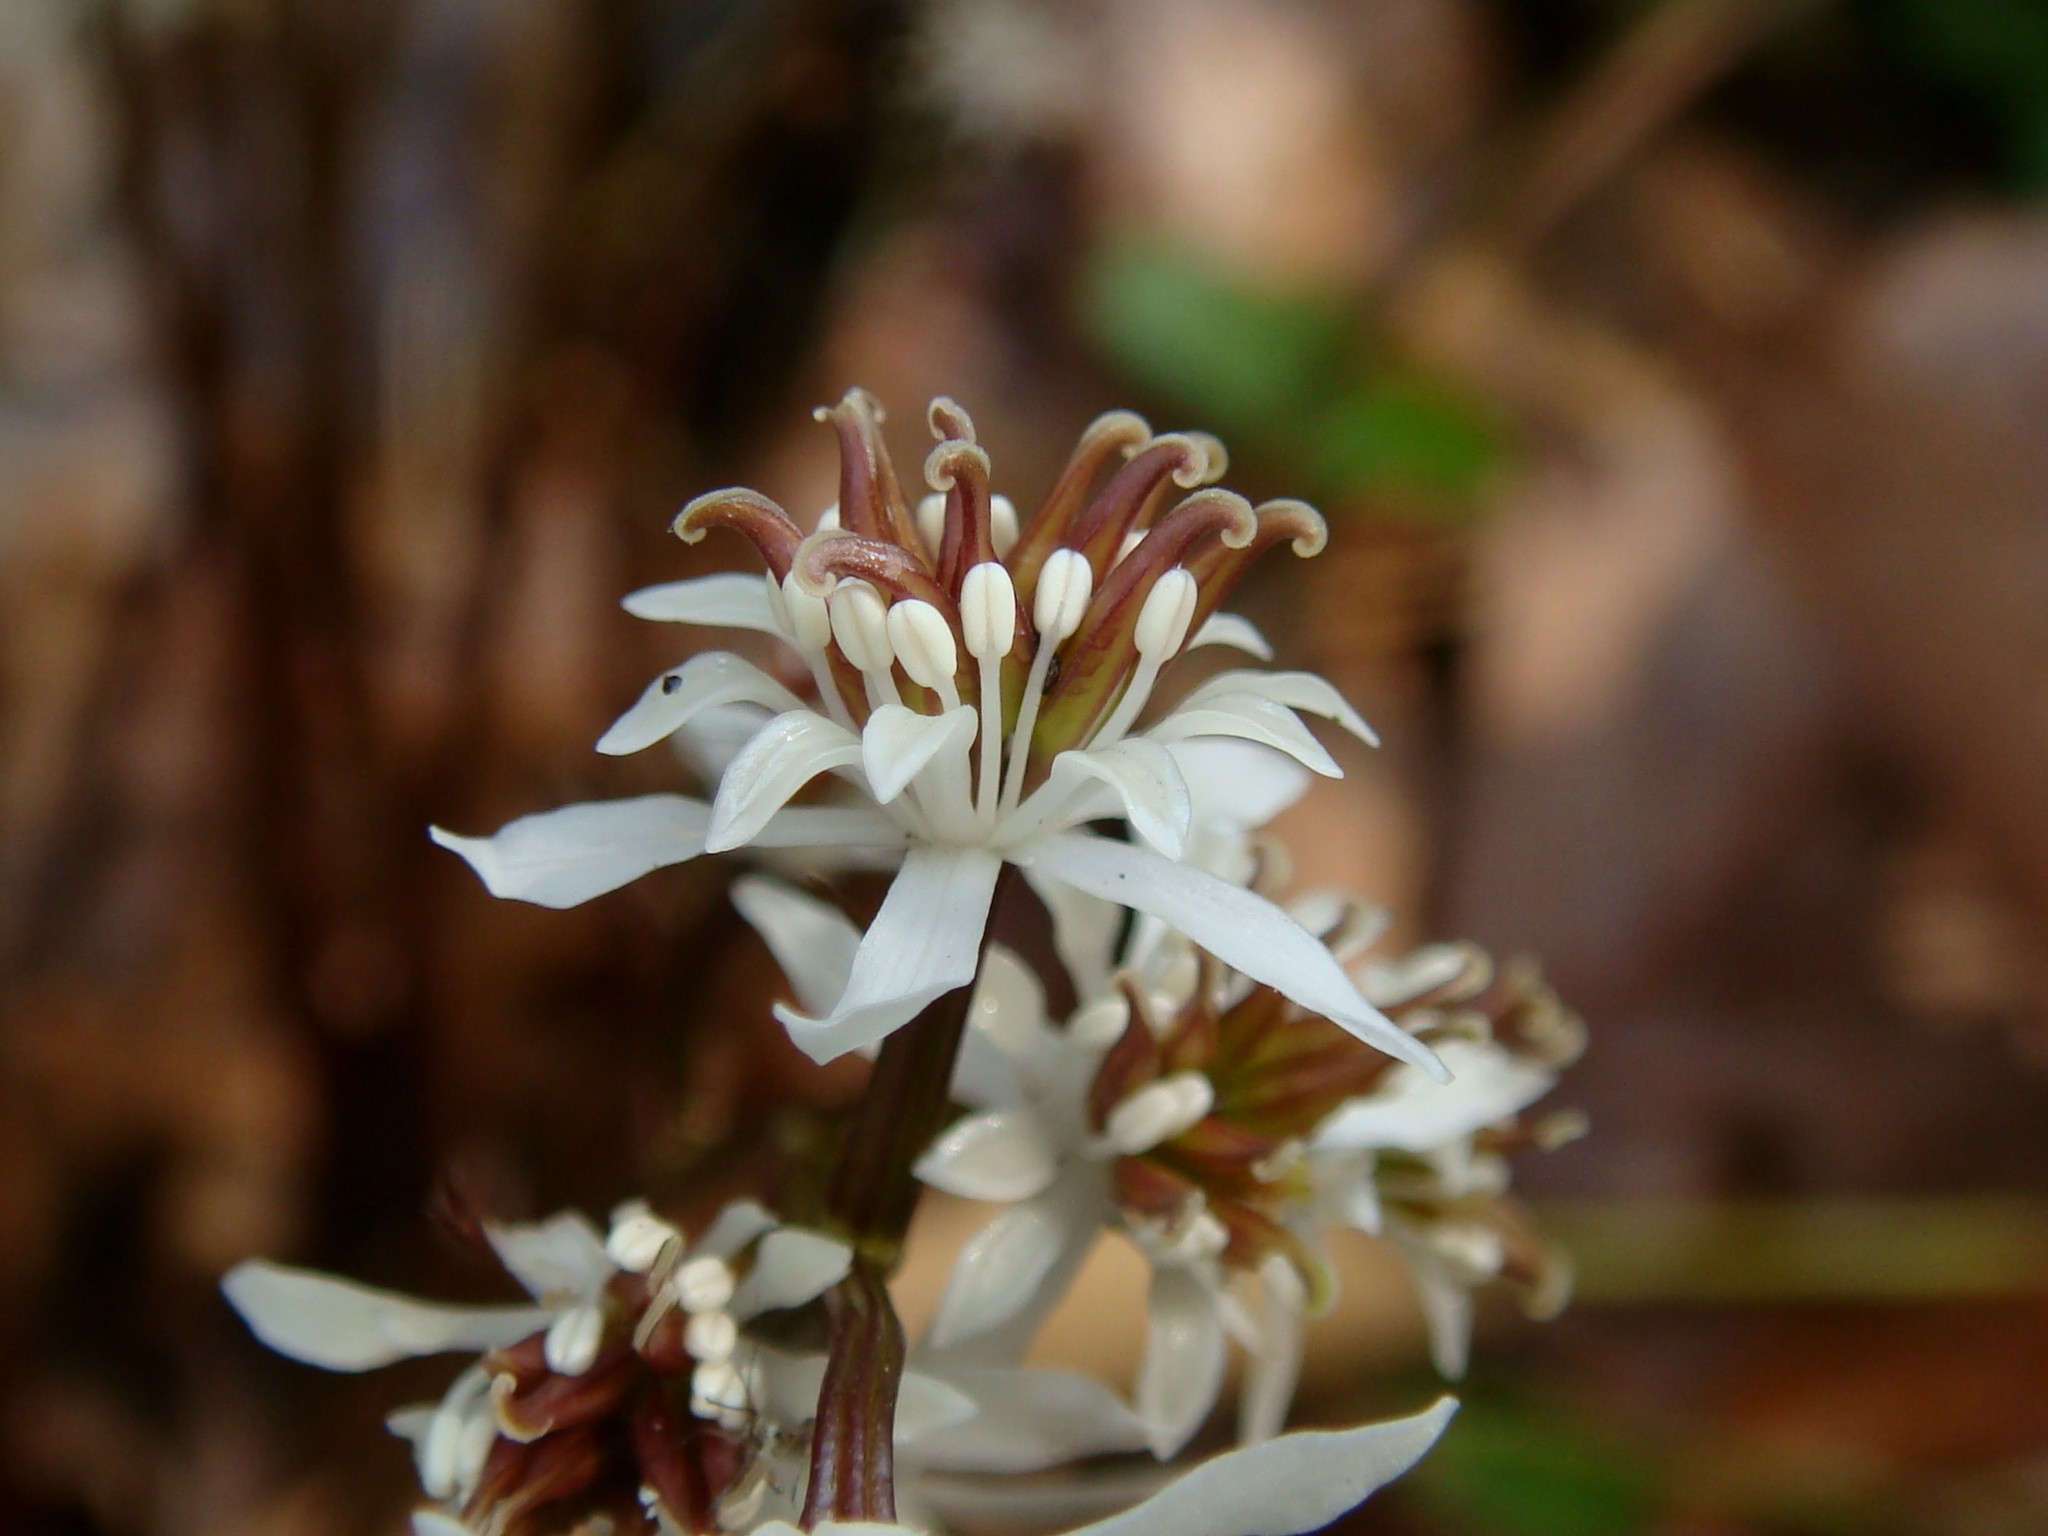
(1169, 609)
(860, 623)
(1065, 583)
(704, 1284)
(988, 610)
(1159, 1112)
(923, 642)
(571, 1344)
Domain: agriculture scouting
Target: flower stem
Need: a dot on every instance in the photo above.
(872, 1196)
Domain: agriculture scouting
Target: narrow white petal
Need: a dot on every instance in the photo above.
(1007, 1034)
(1286, 1486)
(925, 942)
(735, 1226)
(1409, 1113)
(785, 1390)
(791, 1267)
(438, 1522)
(564, 858)
(562, 1256)
(1275, 1366)
(1147, 782)
(731, 599)
(1084, 931)
(1240, 634)
(1004, 1154)
(812, 940)
(1248, 718)
(1068, 1218)
(1030, 1419)
(897, 743)
(998, 1271)
(826, 830)
(1183, 1366)
(341, 1326)
(783, 756)
(1238, 783)
(1447, 1308)
(1297, 690)
(710, 681)
(1243, 930)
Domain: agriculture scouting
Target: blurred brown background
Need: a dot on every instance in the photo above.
(1674, 375)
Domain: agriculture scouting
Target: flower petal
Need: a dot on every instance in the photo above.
(925, 942)
(1007, 1035)
(1297, 690)
(1295, 1483)
(832, 831)
(731, 599)
(998, 1271)
(341, 1326)
(1183, 1366)
(1003, 1154)
(1239, 634)
(1085, 930)
(1238, 783)
(1275, 1365)
(1030, 1419)
(897, 743)
(783, 756)
(785, 1389)
(1243, 930)
(812, 940)
(562, 1256)
(1408, 1113)
(1252, 719)
(1146, 780)
(791, 1267)
(735, 1226)
(709, 681)
(565, 857)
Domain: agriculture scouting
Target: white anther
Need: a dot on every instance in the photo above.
(711, 1337)
(931, 521)
(1131, 541)
(803, 614)
(703, 1284)
(571, 1345)
(1002, 525)
(472, 1450)
(860, 623)
(1473, 1247)
(717, 1391)
(924, 643)
(1101, 1024)
(1065, 583)
(638, 1238)
(1159, 1112)
(988, 610)
(1201, 1236)
(1163, 621)
(829, 518)
(1279, 1162)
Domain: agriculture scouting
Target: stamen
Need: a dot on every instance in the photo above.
(1002, 525)
(704, 1284)
(711, 1337)
(924, 645)
(988, 623)
(1162, 626)
(860, 624)
(931, 523)
(1058, 607)
(749, 514)
(1159, 1112)
(1110, 436)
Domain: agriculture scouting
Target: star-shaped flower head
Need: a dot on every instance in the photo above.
(978, 685)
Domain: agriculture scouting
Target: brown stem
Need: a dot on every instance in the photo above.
(872, 1198)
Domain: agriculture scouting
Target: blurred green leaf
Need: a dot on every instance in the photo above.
(1286, 377)
(1244, 359)
(1509, 1472)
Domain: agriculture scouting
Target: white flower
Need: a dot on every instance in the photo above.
(619, 1313)
(979, 688)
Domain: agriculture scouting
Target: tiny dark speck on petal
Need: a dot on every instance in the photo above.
(671, 683)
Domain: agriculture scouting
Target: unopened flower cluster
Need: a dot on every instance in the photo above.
(1234, 1076)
